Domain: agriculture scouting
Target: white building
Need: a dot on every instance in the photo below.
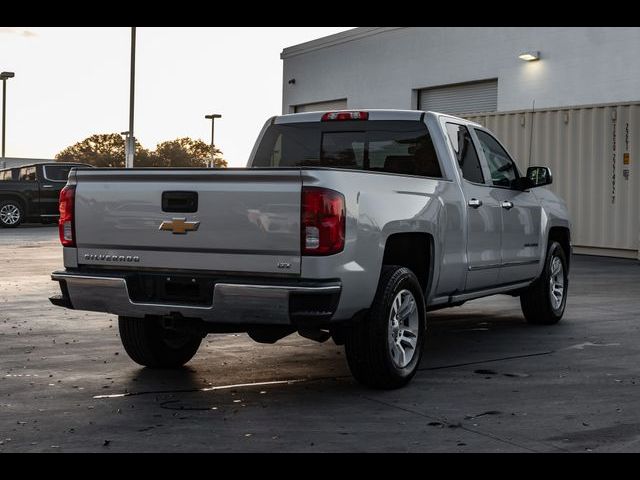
(478, 67)
(585, 82)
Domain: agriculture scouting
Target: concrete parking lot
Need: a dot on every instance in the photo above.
(488, 381)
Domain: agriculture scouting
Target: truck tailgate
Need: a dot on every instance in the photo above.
(245, 220)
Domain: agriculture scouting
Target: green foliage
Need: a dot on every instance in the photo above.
(107, 150)
(187, 152)
(102, 150)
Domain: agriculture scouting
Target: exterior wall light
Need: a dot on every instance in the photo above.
(529, 56)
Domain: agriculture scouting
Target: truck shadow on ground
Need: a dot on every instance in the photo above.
(454, 340)
(467, 338)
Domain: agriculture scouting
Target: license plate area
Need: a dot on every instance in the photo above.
(171, 289)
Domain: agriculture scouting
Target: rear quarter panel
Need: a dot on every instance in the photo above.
(378, 205)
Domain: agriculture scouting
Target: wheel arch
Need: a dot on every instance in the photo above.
(15, 197)
(562, 235)
(414, 250)
(19, 200)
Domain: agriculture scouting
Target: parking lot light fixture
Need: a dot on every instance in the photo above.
(212, 117)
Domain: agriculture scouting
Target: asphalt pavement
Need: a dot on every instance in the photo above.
(488, 382)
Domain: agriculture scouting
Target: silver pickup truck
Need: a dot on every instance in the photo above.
(349, 225)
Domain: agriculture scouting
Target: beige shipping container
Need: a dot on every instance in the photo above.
(593, 153)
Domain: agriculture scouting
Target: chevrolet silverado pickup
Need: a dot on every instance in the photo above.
(31, 192)
(350, 225)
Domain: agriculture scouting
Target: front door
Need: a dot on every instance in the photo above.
(483, 237)
(520, 214)
(483, 213)
(50, 186)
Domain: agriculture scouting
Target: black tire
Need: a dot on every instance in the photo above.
(368, 352)
(14, 206)
(536, 302)
(149, 344)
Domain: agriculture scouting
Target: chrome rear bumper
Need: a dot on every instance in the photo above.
(235, 303)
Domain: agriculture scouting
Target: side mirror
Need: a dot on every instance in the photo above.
(539, 176)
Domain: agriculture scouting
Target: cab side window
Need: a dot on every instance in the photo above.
(466, 154)
(503, 169)
(28, 174)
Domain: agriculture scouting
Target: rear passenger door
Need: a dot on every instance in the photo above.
(51, 178)
(520, 213)
(29, 188)
(483, 212)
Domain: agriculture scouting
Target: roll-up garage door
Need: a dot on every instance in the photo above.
(462, 98)
(340, 104)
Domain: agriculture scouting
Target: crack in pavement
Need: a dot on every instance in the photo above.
(458, 425)
(513, 357)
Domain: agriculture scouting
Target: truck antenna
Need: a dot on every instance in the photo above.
(533, 110)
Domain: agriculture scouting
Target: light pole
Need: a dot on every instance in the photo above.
(126, 148)
(4, 76)
(131, 151)
(212, 117)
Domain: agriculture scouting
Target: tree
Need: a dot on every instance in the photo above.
(107, 150)
(101, 150)
(186, 152)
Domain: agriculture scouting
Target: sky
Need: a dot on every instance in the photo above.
(72, 82)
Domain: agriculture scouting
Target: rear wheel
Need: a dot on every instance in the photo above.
(543, 303)
(384, 348)
(11, 213)
(148, 343)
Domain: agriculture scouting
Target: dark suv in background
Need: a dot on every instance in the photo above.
(30, 192)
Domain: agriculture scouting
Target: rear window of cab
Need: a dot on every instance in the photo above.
(391, 146)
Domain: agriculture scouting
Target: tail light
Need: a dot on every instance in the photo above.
(338, 116)
(66, 224)
(323, 221)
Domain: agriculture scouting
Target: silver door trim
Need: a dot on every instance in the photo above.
(505, 264)
(520, 263)
(473, 268)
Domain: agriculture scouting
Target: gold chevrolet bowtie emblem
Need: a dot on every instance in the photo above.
(179, 225)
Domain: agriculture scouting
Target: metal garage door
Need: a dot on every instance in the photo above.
(462, 98)
(340, 104)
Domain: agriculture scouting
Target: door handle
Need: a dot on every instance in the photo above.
(475, 203)
(507, 204)
(47, 186)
